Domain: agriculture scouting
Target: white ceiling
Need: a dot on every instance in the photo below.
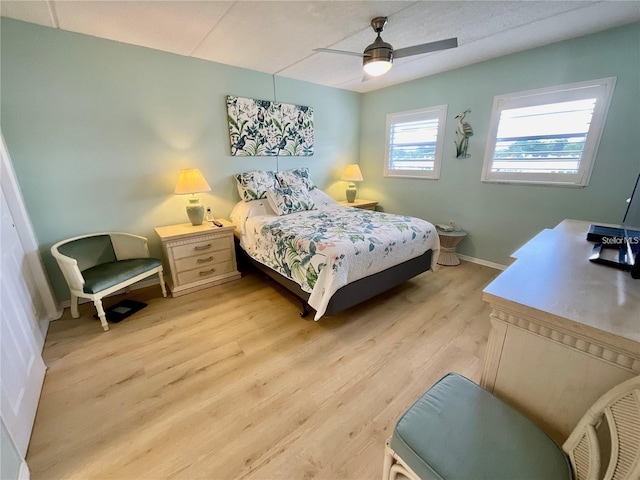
(278, 37)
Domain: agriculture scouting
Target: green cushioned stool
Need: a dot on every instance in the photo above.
(100, 264)
(457, 430)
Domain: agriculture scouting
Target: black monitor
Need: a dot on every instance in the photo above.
(631, 225)
(620, 247)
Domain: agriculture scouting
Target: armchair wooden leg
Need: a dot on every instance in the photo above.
(394, 467)
(161, 277)
(103, 318)
(388, 459)
(74, 306)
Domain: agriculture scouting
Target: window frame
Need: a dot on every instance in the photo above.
(601, 89)
(439, 112)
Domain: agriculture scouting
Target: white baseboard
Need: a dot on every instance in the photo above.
(136, 286)
(479, 261)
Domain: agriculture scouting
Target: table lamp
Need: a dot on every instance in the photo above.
(352, 174)
(191, 181)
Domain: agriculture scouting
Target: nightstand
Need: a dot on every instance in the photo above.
(360, 203)
(448, 244)
(198, 257)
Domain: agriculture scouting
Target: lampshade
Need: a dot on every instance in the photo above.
(378, 58)
(352, 174)
(191, 180)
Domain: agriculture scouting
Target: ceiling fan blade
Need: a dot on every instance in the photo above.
(341, 52)
(426, 48)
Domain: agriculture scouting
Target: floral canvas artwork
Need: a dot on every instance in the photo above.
(266, 128)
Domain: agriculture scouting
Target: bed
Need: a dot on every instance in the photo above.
(332, 257)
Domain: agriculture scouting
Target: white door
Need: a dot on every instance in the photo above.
(21, 366)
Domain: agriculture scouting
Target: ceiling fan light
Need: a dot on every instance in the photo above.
(375, 68)
(378, 58)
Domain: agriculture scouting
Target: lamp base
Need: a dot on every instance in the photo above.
(195, 211)
(351, 195)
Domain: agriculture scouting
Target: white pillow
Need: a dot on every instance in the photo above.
(245, 210)
(321, 199)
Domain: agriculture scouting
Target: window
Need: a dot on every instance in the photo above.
(548, 136)
(414, 143)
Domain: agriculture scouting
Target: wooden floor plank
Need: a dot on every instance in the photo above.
(229, 382)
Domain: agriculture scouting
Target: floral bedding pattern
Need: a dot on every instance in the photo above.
(296, 179)
(323, 250)
(254, 185)
(285, 200)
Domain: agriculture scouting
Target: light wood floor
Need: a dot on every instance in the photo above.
(230, 383)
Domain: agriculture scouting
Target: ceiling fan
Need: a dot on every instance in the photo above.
(378, 57)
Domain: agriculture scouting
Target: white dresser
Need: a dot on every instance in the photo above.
(563, 330)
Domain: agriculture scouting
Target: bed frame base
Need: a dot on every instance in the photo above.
(353, 293)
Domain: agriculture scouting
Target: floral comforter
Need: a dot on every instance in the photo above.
(323, 250)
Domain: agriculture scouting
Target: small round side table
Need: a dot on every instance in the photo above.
(448, 243)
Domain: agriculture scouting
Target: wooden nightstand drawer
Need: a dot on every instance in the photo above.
(204, 260)
(198, 257)
(200, 247)
(205, 273)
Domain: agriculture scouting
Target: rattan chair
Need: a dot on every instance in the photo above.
(100, 264)
(579, 459)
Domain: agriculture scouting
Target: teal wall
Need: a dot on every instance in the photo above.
(98, 132)
(500, 218)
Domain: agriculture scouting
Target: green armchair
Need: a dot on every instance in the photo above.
(99, 264)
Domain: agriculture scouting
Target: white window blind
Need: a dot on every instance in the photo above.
(414, 143)
(547, 136)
